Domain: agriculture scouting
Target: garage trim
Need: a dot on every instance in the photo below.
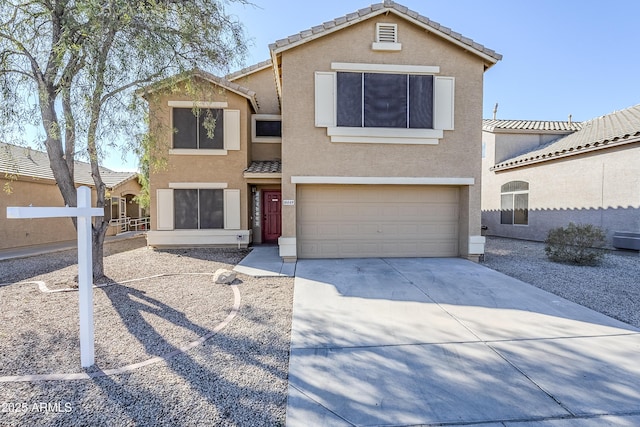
(386, 180)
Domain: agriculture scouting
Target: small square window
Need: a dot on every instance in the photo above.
(266, 128)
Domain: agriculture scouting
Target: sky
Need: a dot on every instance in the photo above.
(560, 57)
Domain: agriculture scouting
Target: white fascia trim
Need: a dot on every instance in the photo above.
(198, 237)
(383, 140)
(385, 68)
(199, 104)
(381, 180)
(198, 185)
(262, 175)
(386, 46)
(197, 152)
(385, 135)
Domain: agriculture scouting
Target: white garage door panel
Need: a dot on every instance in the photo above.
(371, 221)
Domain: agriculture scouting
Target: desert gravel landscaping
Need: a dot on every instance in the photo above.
(156, 302)
(612, 288)
(236, 377)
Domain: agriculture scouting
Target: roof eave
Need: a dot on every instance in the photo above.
(507, 165)
(488, 59)
(219, 81)
(534, 131)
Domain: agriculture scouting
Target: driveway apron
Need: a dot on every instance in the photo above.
(399, 341)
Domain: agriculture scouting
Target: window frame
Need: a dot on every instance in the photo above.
(326, 107)
(366, 94)
(199, 206)
(231, 131)
(265, 139)
(511, 190)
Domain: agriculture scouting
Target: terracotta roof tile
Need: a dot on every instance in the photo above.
(27, 162)
(376, 9)
(492, 125)
(268, 166)
(617, 128)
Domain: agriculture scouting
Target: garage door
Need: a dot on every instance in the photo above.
(347, 221)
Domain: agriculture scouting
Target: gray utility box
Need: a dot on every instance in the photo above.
(624, 240)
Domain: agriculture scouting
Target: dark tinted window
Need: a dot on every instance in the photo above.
(269, 128)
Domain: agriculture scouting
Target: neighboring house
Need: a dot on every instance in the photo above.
(541, 175)
(26, 179)
(359, 138)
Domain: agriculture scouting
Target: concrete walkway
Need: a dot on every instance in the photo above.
(265, 261)
(398, 342)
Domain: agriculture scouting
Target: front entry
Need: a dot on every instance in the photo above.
(271, 216)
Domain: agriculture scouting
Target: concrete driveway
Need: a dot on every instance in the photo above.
(395, 342)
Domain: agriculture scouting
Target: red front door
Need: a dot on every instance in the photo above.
(271, 216)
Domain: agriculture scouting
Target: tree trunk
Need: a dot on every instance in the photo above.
(98, 233)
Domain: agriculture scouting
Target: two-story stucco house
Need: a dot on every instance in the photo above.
(358, 138)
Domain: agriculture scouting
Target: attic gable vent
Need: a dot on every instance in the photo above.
(386, 37)
(386, 33)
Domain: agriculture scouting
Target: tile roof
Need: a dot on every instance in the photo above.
(617, 128)
(224, 83)
(268, 166)
(376, 9)
(248, 70)
(493, 125)
(27, 162)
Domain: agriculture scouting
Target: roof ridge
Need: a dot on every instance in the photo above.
(615, 128)
(377, 9)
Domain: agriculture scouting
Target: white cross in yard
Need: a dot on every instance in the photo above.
(83, 213)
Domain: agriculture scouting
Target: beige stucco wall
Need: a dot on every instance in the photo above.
(263, 83)
(26, 191)
(308, 151)
(199, 168)
(509, 145)
(17, 233)
(601, 188)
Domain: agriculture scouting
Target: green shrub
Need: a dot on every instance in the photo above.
(575, 244)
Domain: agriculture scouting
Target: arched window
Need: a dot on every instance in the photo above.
(514, 203)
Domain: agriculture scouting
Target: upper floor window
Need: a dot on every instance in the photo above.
(266, 128)
(381, 100)
(211, 128)
(198, 128)
(384, 103)
(514, 203)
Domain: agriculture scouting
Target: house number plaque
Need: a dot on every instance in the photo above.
(288, 202)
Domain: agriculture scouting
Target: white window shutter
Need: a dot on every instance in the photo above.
(325, 99)
(164, 205)
(231, 129)
(232, 209)
(444, 94)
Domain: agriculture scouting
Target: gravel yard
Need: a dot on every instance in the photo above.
(612, 288)
(236, 377)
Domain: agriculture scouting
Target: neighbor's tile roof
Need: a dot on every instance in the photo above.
(27, 162)
(377, 9)
(268, 166)
(493, 125)
(617, 128)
